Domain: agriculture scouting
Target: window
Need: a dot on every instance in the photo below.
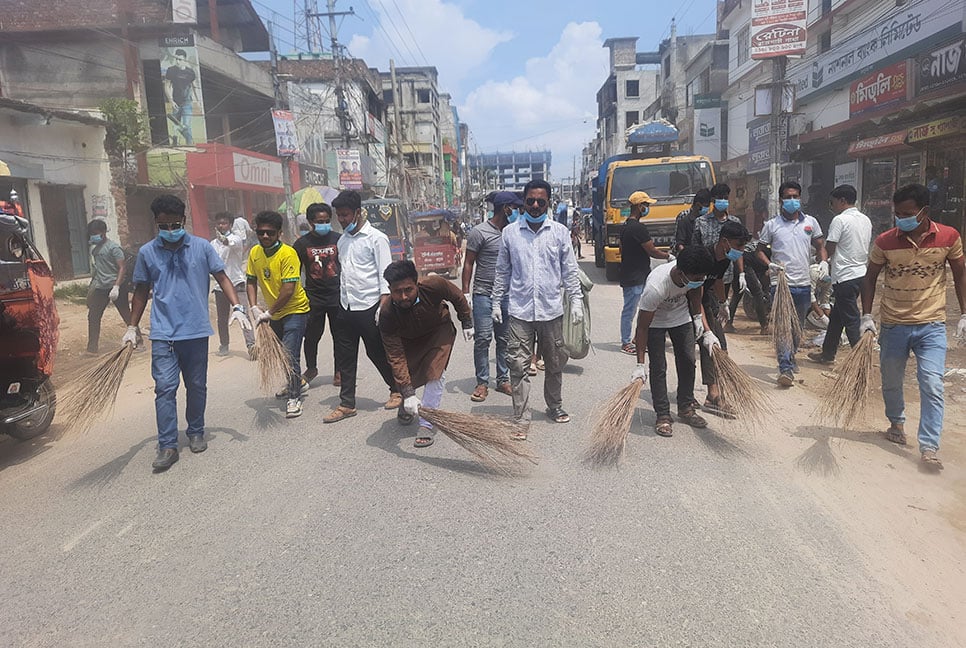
(744, 44)
(825, 41)
(387, 96)
(630, 118)
(422, 96)
(632, 88)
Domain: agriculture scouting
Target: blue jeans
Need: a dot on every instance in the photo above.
(484, 329)
(190, 359)
(928, 343)
(632, 298)
(291, 330)
(802, 297)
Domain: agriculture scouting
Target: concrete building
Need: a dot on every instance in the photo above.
(700, 122)
(510, 171)
(631, 86)
(452, 156)
(675, 52)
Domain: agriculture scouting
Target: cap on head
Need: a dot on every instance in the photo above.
(501, 198)
(639, 197)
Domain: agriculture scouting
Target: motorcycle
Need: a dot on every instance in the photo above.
(28, 330)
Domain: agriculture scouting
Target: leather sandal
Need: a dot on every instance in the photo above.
(339, 413)
(480, 393)
(662, 427)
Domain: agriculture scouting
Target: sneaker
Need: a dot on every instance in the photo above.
(223, 350)
(819, 357)
(284, 393)
(395, 400)
(786, 379)
(293, 408)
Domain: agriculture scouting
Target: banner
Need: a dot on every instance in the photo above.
(944, 66)
(778, 28)
(759, 153)
(350, 171)
(707, 127)
(286, 140)
(184, 11)
(183, 103)
(881, 88)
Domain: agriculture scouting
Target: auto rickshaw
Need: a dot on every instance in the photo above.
(436, 247)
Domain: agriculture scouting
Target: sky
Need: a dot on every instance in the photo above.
(524, 75)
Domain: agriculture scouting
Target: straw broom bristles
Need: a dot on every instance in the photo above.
(786, 329)
(739, 389)
(609, 436)
(846, 398)
(274, 364)
(488, 438)
(92, 394)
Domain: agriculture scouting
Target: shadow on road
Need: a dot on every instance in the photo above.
(267, 414)
(719, 444)
(101, 477)
(819, 458)
(391, 436)
(13, 452)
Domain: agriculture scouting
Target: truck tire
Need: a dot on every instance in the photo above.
(35, 425)
(613, 271)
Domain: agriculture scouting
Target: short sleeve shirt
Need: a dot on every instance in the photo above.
(319, 256)
(179, 279)
(273, 271)
(851, 231)
(791, 245)
(107, 256)
(667, 300)
(635, 261)
(484, 240)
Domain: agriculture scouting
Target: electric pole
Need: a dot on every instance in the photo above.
(775, 124)
(286, 159)
(397, 127)
(341, 108)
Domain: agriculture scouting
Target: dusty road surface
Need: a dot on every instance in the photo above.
(288, 532)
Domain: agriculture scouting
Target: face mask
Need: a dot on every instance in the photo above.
(514, 215)
(791, 205)
(704, 211)
(323, 228)
(96, 238)
(536, 219)
(721, 204)
(350, 228)
(733, 254)
(645, 210)
(171, 236)
(694, 284)
(908, 223)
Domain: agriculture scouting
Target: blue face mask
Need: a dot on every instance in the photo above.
(704, 211)
(721, 204)
(323, 228)
(908, 223)
(171, 236)
(95, 239)
(350, 228)
(535, 219)
(694, 284)
(514, 215)
(791, 205)
(645, 210)
(733, 254)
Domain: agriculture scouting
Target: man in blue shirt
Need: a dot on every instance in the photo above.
(176, 266)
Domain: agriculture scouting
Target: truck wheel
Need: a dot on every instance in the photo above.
(37, 424)
(613, 271)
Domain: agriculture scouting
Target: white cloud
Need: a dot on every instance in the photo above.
(553, 105)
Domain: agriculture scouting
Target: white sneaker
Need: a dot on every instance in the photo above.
(293, 409)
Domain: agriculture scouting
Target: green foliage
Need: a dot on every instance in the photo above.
(76, 293)
(127, 126)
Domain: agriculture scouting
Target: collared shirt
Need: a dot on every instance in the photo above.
(271, 272)
(531, 268)
(851, 231)
(914, 275)
(791, 245)
(179, 279)
(107, 255)
(232, 254)
(707, 231)
(364, 257)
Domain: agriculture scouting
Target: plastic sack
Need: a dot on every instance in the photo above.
(576, 337)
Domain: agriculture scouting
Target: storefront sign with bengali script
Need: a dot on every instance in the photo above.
(882, 88)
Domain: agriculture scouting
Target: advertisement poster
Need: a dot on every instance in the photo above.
(707, 126)
(286, 139)
(880, 89)
(350, 169)
(778, 28)
(181, 77)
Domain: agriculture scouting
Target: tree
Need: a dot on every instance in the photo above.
(127, 135)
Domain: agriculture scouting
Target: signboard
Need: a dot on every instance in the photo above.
(183, 103)
(435, 257)
(707, 126)
(256, 171)
(313, 176)
(286, 141)
(939, 128)
(887, 40)
(877, 144)
(350, 169)
(759, 149)
(184, 11)
(778, 28)
(942, 67)
(846, 174)
(882, 88)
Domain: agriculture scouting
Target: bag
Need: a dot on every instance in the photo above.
(576, 337)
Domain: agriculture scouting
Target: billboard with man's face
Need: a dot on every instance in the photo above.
(183, 104)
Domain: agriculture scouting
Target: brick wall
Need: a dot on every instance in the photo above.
(49, 15)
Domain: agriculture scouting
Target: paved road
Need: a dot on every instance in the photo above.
(294, 533)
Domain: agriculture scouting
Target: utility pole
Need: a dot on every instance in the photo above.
(776, 120)
(286, 159)
(397, 127)
(341, 108)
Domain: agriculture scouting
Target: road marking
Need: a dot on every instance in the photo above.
(125, 530)
(76, 539)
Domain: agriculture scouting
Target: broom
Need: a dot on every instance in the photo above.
(92, 394)
(488, 438)
(786, 329)
(846, 398)
(609, 435)
(274, 364)
(739, 389)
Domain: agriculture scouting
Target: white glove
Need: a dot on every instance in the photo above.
(468, 334)
(723, 313)
(775, 267)
(823, 268)
(670, 257)
(639, 373)
(115, 291)
(469, 298)
(576, 311)
(867, 324)
(238, 315)
(259, 316)
(698, 326)
(961, 330)
(378, 308)
(130, 337)
(411, 405)
(742, 282)
(497, 313)
(709, 340)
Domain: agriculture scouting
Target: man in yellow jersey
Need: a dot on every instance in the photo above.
(276, 268)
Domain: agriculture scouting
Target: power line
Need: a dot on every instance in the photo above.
(411, 35)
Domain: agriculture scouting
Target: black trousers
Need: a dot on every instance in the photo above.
(759, 287)
(844, 314)
(682, 341)
(711, 308)
(313, 334)
(97, 301)
(350, 327)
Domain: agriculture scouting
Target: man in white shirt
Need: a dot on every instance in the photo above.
(364, 255)
(231, 248)
(849, 240)
(792, 234)
(243, 230)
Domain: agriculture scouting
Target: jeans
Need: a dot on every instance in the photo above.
(290, 330)
(844, 314)
(682, 341)
(632, 298)
(314, 329)
(484, 330)
(352, 327)
(549, 338)
(190, 359)
(928, 343)
(223, 312)
(802, 298)
(97, 301)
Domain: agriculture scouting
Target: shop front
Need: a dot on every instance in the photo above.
(886, 162)
(942, 145)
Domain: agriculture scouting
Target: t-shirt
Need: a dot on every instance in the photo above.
(484, 239)
(667, 300)
(720, 269)
(319, 256)
(851, 231)
(635, 261)
(791, 245)
(106, 255)
(271, 272)
(181, 80)
(914, 276)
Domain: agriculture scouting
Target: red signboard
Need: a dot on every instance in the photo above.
(778, 28)
(435, 257)
(879, 144)
(881, 88)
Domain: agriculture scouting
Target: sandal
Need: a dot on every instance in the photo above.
(519, 436)
(424, 437)
(719, 407)
(930, 459)
(338, 414)
(480, 393)
(558, 415)
(663, 426)
(540, 365)
(692, 418)
(630, 348)
(896, 435)
(532, 370)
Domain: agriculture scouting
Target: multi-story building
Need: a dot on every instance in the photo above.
(700, 120)
(631, 86)
(674, 53)
(510, 171)
(449, 122)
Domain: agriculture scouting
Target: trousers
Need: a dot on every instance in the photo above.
(290, 330)
(485, 329)
(223, 311)
(549, 337)
(802, 297)
(171, 360)
(682, 341)
(844, 314)
(432, 397)
(97, 301)
(353, 327)
(314, 329)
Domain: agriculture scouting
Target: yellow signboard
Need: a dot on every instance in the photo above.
(938, 128)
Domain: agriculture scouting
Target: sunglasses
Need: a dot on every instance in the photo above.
(539, 202)
(170, 226)
(270, 232)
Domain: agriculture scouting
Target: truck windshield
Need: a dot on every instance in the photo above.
(666, 183)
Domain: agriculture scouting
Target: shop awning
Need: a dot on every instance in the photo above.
(879, 144)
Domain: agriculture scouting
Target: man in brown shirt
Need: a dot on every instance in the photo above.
(417, 332)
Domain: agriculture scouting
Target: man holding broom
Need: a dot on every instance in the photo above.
(672, 293)
(418, 334)
(176, 265)
(912, 257)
